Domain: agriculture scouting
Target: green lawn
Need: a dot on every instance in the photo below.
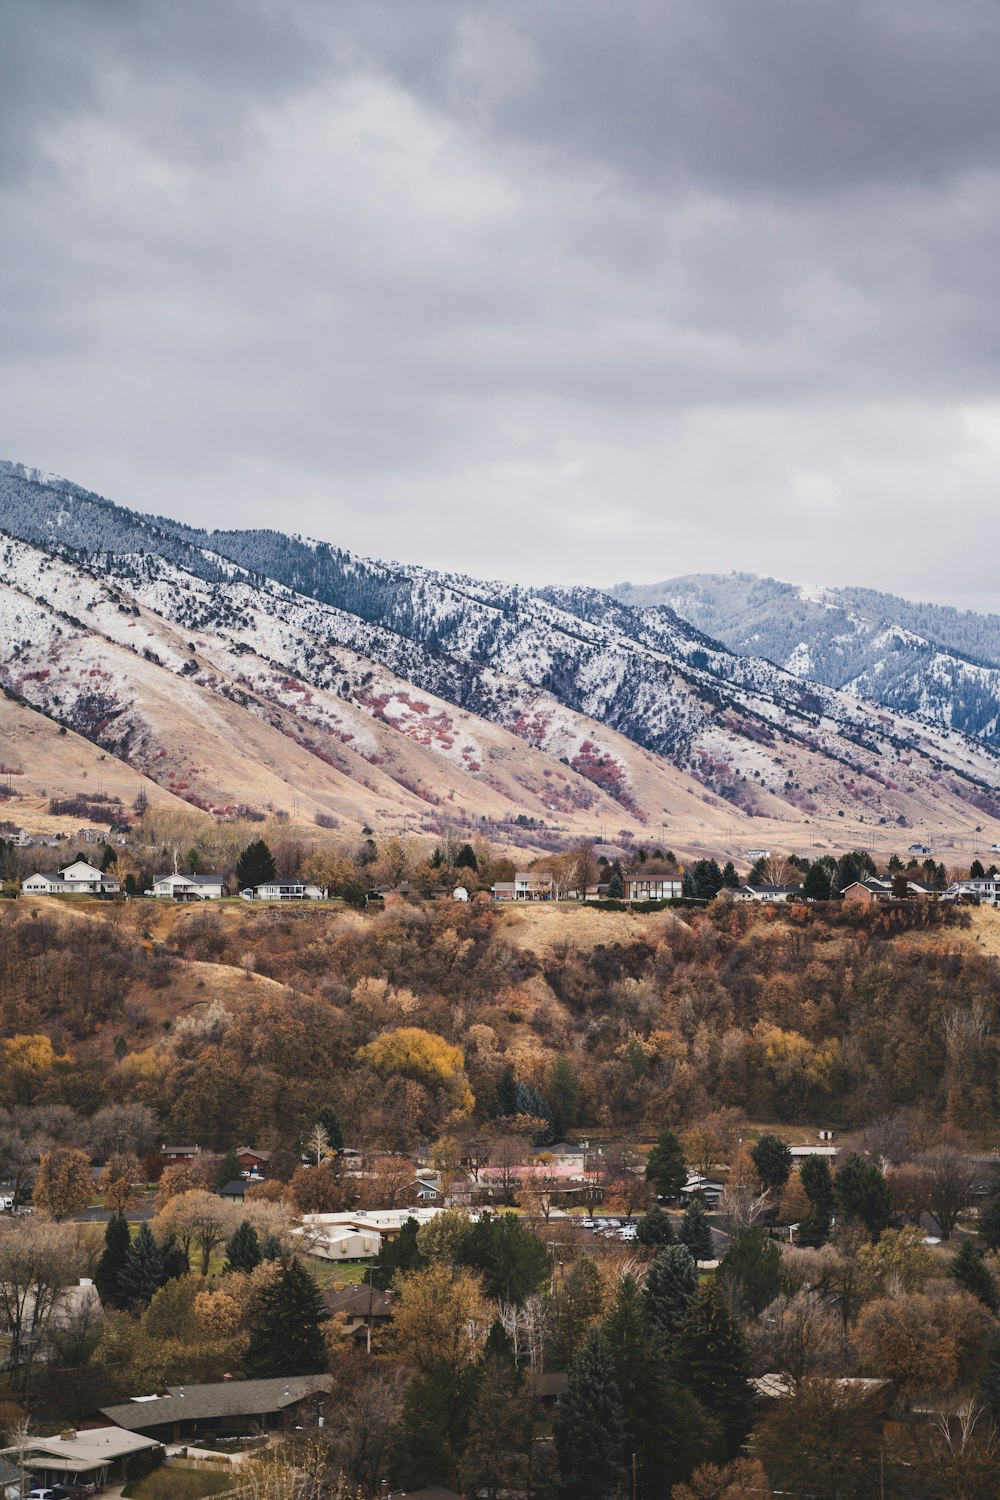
(328, 1273)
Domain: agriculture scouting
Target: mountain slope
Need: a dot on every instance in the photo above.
(917, 658)
(429, 690)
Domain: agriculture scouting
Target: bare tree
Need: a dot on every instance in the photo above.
(740, 1207)
(797, 1336)
(951, 1178)
(37, 1265)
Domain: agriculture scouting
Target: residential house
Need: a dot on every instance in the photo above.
(340, 1242)
(284, 890)
(252, 1160)
(361, 1307)
(172, 1156)
(875, 888)
(986, 890)
(235, 1191)
(525, 887)
(767, 893)
(177, 887)
(652, 888)
(93, 1456)
(77, 878)
(359, 1231)
(228, 1406)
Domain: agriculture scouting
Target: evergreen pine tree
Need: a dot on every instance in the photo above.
(271, 1248)
(773, 1160)
(422, 1454)
(817, 1183)
(397, 1255)
(334, 1135)
(175, 1259)
(968, 1267)
(862, 1193)
(243, 1250)
(117, 1240)
(466, 859)
(616, 888)
(498, 1345)
(589, 1427)
(506, 1094)
(695, 1231)
(142, 1272)
(665, 1166)
(671, 1282)
(710, 1357)
(751, 1269)
(730, 879)
(564, 1095)
(286, 1337)
(655, 1229)
(229, 1170)
(816, 885)
(255, 865)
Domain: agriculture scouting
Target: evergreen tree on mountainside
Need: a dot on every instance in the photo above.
(422, 1453)
(286, 1338)
(858, 865)
(229, 1170)
(862, 1193)
(730, 879)
(512, 1259)
(696, 1232)
(616, 887)
(817, 1183)
(589, 1427)
(243, 1250)
(665, 1166)
(142, 1274)
(466, 859)
(655, 1229)
(334, 1135)
(506, 1094)
(117, 1241)
(564, 1095)
(968, 1267)
(397, 1256)
(661, 1425)
(671, 1282)
(751, 1271)
(706, 878)
(710, 1357)
(773, 1160)
(255, 866)
(816, 886)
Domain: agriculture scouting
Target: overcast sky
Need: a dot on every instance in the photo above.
(560, 290)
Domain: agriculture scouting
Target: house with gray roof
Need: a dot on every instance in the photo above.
(235, 1407)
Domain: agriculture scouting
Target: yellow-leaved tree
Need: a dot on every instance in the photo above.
(411, 1052)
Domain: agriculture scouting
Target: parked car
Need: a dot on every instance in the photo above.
(40, 1493)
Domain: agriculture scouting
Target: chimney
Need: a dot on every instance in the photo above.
(383, 1490)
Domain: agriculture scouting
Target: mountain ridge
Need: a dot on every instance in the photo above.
(633, 708)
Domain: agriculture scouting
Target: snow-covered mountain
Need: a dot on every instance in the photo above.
(925, 659)
(417, 689)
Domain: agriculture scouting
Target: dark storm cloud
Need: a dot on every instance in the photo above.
(667, 286)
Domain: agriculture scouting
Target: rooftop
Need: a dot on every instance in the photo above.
(226, 1398)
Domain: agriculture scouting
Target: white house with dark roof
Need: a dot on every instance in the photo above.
(175, 887)
(77, 878)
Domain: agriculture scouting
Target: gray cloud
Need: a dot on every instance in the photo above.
(570, 292)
